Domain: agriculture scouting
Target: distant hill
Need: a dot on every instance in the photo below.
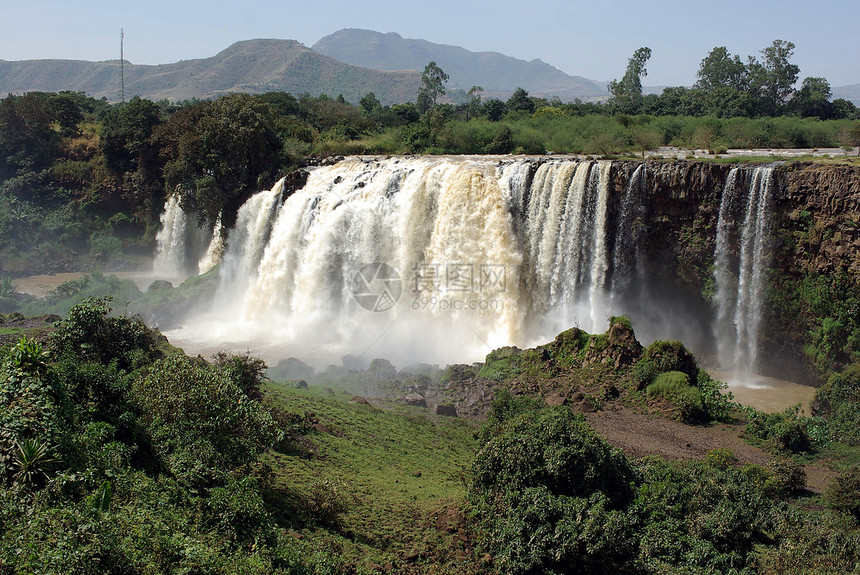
(492, 71)
(851, 93)
(252, 66)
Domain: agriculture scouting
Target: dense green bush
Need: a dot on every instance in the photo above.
(663, 356)
(839, 402)
(843, 492)
(551, 492)
(787, 431)
(201, 422)
(91, 334)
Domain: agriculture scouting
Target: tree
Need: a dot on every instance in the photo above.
(474, 105)
(432, 86)
(27, 136)
(774, 79)
(218, 153)
(720, 70)
(813, 99)
(125, 134)
(627, 93)
(646, 138)
(494, 109)
(369, 104)
(520, 101)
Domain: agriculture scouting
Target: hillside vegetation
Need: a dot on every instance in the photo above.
(118, 453)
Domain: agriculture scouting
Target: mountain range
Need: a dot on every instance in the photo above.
(350, 62)
(252, 66)
(494, 72)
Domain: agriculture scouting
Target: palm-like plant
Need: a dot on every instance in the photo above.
(7, 288)
(29, 356)
(33, 459)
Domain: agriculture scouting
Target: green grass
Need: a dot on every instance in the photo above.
(398, 467)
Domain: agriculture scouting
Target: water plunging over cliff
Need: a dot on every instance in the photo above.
(444, 259)
(183, 248)
(740, 276)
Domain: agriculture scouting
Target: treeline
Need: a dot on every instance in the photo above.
(80, 177)
(726, 87)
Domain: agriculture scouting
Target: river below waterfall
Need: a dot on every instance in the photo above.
(765, 393)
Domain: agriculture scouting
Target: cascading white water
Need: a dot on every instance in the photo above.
(171, 240)
(739, 296)
(478, 248)
(245, 244)
(625, 253)
(483, 252)
(215, 249)
(183, 248)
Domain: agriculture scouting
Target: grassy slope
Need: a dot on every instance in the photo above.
(398, 468)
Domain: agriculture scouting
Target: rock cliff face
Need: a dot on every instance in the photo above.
(827, 200)
(812, 310)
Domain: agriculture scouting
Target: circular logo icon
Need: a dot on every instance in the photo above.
(377, 287)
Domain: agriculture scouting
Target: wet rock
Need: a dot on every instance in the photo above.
(290, 369)
(446, 410)
(159, 285)
(415, 400)
(382, 369)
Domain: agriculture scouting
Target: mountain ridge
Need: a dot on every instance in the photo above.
(254, 66)
(494, 71)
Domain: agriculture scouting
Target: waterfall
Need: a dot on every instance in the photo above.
(461, 256)
(245, 244)
(171, 241)
(625, 254)
(215, 249)
(444, 259)
(179, 244)
(740, 279)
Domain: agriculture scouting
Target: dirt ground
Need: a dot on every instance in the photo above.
(638, 435)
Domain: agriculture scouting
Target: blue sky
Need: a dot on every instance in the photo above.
(592, 39)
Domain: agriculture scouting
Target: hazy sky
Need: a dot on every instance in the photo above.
(592, 39)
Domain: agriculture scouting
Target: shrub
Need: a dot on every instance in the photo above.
(839, 402)
(721, 458)
(327, 501)
(674, 386)
(784, 431)
(551, 492)
(789, 477)
(200, 419)
(843, 493)
(89, 333)
(238, 512)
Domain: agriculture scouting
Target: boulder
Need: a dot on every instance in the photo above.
(415, 400)
(446, 410)
(556, 398)
(159, 285)
(359, 400)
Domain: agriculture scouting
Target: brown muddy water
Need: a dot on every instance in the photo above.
(765, 393)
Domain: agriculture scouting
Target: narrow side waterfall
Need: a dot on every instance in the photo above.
(171, 240)
(215, 249)
(183, 248)
(740, 276)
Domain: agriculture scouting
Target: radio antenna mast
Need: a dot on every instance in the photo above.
(121, 65)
